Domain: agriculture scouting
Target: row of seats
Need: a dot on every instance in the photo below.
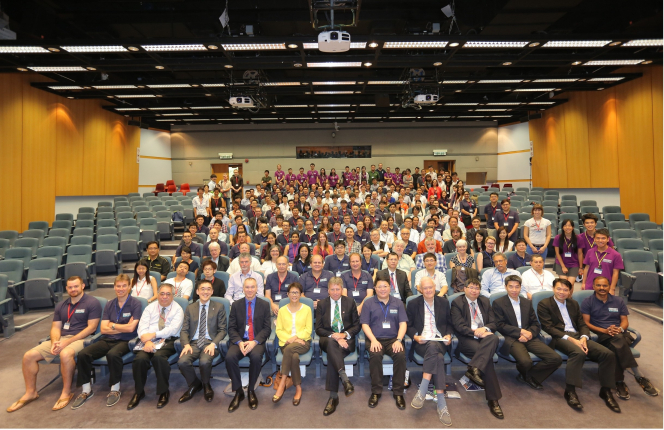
(171, 188)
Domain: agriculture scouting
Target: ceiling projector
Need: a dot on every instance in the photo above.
(241, 102)
(426, 98)
(334, 41)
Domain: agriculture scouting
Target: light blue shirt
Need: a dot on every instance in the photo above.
(200, 308)
(517, 310)
(494, 282)
(569, 327)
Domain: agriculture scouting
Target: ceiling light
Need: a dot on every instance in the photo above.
(113, 87)
(454, 44)
(368, 117)
(180, 114)
(58, 69)
(438, 116)
(291, 106)
(228, 66)
(213, 47)
(214, 85)
(647, 62)
(297, 65)
(67, 87)
(373, 45)
(402, 117)
(457, 91)
(433, 44)
(461, 104)
(109, 48)
(124, 109)
(386, 82)
(134, 96)
(292, 45)
(353, 45)
(534, 89)
(280, 84)
(21, 69)
(437, 63)
(368, 105)
(334, 105)
(501, 116)
(367, 64)
(612, 62)
(644, 42)
(264, 119)
(170, 86)
(252, 46)
(230, 119)
(600, 89)
(469, 116)
(209, 107)
(54, 49)
(508, 90)
(576, 63)
(159, 67)
(504, 104)
(208, 95)
(533, 44)
(541, 103)
(157, 48)
(334, 83)
(478, 44)
(23, 50)
(575, 43)
(616, 43)
(92, 69)
(455, 82)
(490, 110)
(109, 97)
(297, 118)
(507, 63)
(165, 108)
(607, 79)
(556, 80)
(335, 64)
(132, 48)
(70, 97)
(332, 92)
(499, 81)
(333, 111)
(173, 119)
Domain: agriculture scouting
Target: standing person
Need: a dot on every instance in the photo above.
(602, 260)
(468, 210)
(237, 184)
(568, 252)
(312, 175)
(74, 319)
(586, 240)
(279, 176)
(201, 206)
(226, 190)
(491, 209)
(537, 232)
(429, 318)
(507, 218)
(266, 180)
(213, 182)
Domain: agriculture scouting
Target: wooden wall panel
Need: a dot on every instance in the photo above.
(656, 82)
(556, 148)
(115, 148)
(602, 139)
(576, 141)
(130, 177)
(540, 167)
(11, 138)
(94, 152)
(69, 157)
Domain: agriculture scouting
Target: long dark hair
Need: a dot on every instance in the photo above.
(144, 263)
(501, 246)
(561, 237)
(307, 261)
(482, 247)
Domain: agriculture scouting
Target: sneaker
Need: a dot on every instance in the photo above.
(622, 391)
(112, 398)
(82, 398)
(647, 386)
(418, 400)
(444, 417)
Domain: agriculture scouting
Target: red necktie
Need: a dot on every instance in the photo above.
(250, 323)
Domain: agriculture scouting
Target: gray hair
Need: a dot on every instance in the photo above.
(461, 242)
(214, 245)
(244, 255)
(498, 254)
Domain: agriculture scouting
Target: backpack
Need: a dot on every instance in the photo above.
(177, 217)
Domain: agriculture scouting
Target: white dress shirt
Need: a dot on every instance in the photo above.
(430, 330)
(234, 267)
(207, 309)
(569, 327)
(517, 310)
(533, 282)
(183, 288)
(388, 237)
(236, 292)
(149, 322)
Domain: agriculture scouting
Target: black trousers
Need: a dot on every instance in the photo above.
(186, 364)
(481, 352)
(376, 367)
(335, 360)
(158, 360)
(551, 360)
(113, 349)
(255, 363)
(433, 353)
(576, 358)
(619, 346)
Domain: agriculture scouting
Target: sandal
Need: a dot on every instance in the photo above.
(20, 404)
(62, 403)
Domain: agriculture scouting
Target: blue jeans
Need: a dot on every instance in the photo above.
(530, 251)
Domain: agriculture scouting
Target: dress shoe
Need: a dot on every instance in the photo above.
(529, 381)
(473, 373)
(573, 400)
(401, 403)
(253, 400)
(373, 400)
(494, 407)
(622, 391)
(209, 393)
(135, 400)
(348, 388)
(296, 402)
(190, 393)
(610, 401)
(647, 386)
(163, 399)
(331, 406)
(235, 403)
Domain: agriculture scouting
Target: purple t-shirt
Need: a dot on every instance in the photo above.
(312, 176)
(567, 249)
(302, 178)
(396, 178)
(610, 260)
(334, 179)
(586, 243)
(87, 308)
(279, 174)
(347, 178)
(290, 178)
(323, 179)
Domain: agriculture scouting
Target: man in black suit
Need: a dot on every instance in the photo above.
(203, 328)
(249, 326)
(475, 327)
(516, 320)
(337, 324)
(561, 318)
(237, 183)
(429, 317)
(398, 279)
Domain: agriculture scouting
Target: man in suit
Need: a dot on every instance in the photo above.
(561, 318)
(516, 320)
(337, 324)
(392, 213)
(397, 278)
(249, 326)
(216, 257)
(475, 327)
(203, 328)
(429, 317)
(236, 185)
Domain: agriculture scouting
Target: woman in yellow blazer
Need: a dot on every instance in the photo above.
(294, 325)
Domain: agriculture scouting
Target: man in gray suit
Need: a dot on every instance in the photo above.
(203, 328)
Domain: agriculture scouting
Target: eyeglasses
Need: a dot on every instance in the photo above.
(165, 294)
(294, 293)
(473, 288)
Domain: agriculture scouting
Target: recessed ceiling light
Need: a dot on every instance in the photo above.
(454, 44)
(461, 104)
(21, 69)
(66, 87)
(607, 79)
(576, 63)
(454, 82)
(292, 45)
(644, 42)
(169, 86)
(109, 97)
(541, 103)
(297, 65)
(367, 64)
(334, 83)
(499, 81)
(126, 109)
(373, 45)
(507, 63)
(575, 43)
(437, 63)
(212, 47)
(647, 62)
(457, 91)
(533, 44)
(252, 46)
(612, 62)
(132, 48)
(600, 89)
(54, 49)
(534, 89)
(556, 80)
(165, 108)
(616, 43)
(23, 50)
(159, 67)
(228, 66)
(92, 69)
(335, 64)
(134, 96)
(58, 69)
(280, 84)
(386, 82)
(495, 44)
(191, 47)
(431, 44)
(508, 90)
(208, 95)
(113, 87)
(109, 48)
(70, 97)
(332, 92)
(353, 45)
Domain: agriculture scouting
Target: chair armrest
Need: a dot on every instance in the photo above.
(46, 339)
(501, 339)
(636, 334)
(223, 346)
(627, 280)
(132, 343)
(91, 339)
(361, 344)
(545, 337)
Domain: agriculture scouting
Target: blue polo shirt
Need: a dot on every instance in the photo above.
(604, 314)
(309, 239)
(336, 266)
(87, 308)
(316, 288)
(410, 248)
(375, 313)
(357, 288)
(371, 265)
(364, 239)
(514, 262)
(272, 284)
(121, 315)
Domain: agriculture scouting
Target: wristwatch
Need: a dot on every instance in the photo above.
(621, 330)
(400, 340)
(113, 326)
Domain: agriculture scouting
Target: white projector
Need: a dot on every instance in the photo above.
(334, 41)
(241, 102)
(424, 99)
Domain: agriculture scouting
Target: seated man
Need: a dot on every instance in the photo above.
(276, 283)
(430, 271)
(606, 315)
(562, 319)
(204, 326)
(235, 290)
(450, 245)
(428, 318)
(216, 257)
(315, 282)
(118, 327)
(520, 258)
(475, 325)
(74, 319)
(430, 248)
(183, 286)
(398, 279)
(249, 327)
(214, 238)
(404, 263)
(493, 280)
(187, 241)
(537, 279)
(337, 324)
(338, 262)
(156, 262)
(234, 267)
(384, 324)
(516, 320)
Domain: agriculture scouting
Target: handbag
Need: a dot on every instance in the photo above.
(277, 381)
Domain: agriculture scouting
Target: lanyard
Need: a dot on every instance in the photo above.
(294, 251)
(599, 260)
(177, 287)
(433, 318)
(356, 281)
(119, 312)
(471, 308)
(538, 278)
(588, 240)
(317, 281)
(506, 216)
(385, 309)
(567, 244)
(302, 266)
(281, 281)
(489, 256)
(502, 277)
(138, 290)
(336, 237)
(522, 260)
(72, 313)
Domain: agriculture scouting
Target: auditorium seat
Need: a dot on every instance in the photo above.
(159, 189)
(43, 288)
(79, 263)
(639, 278)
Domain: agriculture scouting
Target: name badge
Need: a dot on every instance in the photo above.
(364, 282)
(338, 273)
(66, 326)
(316, 290)
(356, 294)
(394, 311)
(80, 311)
(397, 295)
(607, 261)
(386, 324)
(277, 297)
(598, 270)
(345, 264)
(286, 286)
(568, 255)
(463, 269)
(126, 315)
(613, 309)
(323, 280)
(309, 243)
(506, 224)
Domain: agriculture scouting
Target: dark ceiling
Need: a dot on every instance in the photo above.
(506, 80)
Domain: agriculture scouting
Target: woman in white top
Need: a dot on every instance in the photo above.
(503, 244)
(537, 232)
(270, 265)
(143, 285)
(537, 279)
(183, 286)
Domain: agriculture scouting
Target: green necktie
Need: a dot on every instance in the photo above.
(336, 323)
